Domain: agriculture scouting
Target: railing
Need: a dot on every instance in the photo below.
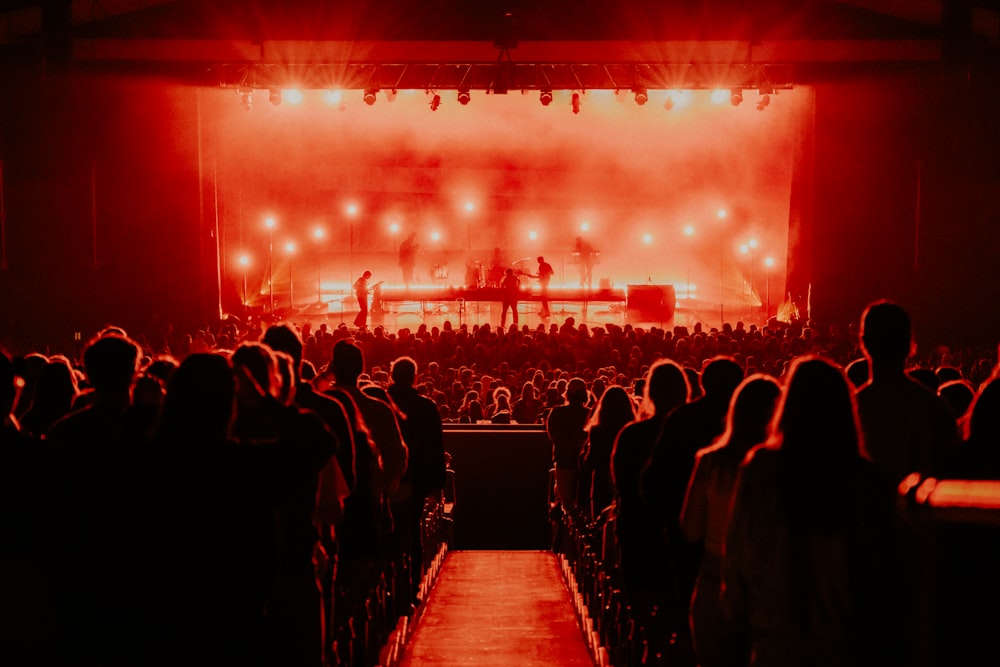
(378, 629)
(586, 548)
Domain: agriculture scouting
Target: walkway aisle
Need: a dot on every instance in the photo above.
(498, 608)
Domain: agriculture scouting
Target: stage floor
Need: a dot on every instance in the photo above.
(593, 312)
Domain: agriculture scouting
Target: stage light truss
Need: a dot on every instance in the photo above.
(503, 76)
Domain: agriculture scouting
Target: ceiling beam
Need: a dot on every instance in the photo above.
(381, 52)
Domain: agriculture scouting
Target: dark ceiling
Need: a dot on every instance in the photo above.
(452, 43)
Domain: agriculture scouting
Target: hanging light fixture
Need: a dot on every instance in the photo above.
(246, 97)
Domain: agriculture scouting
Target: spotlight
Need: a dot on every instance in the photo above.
(370, 96)
(763, 101)
(246, 97)
(545, 97)
(435, 102)
(464, 97)
(275, 97)
(640, 96)
(575, 101)
(736, 97)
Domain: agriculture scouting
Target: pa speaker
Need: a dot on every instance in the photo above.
(650, 303)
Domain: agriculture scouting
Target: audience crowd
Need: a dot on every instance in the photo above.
(231, 496)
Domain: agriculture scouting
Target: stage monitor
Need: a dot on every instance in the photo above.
(650, 303)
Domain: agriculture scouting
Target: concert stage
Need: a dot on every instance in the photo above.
(475, 294)
(639, 303)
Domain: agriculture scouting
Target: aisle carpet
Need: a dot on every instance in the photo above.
(498, 608)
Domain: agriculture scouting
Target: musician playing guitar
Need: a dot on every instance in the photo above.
(544, 275)
(361, 291)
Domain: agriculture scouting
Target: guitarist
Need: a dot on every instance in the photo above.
(361, 291)
(544, 275)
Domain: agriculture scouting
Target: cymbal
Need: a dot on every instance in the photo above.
(523, 259)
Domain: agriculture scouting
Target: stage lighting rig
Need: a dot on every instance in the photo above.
(275, 97)
(736, 97)
(435, 102)
(545, 97)
(370, 96)
(575, 102)
(464, 96)
(246, 97)
(641, 96)
(764, 97)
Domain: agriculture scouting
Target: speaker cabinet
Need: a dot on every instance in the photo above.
(650, 303)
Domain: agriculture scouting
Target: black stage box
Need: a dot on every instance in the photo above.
(651, 303)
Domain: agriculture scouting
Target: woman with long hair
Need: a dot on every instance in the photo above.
(808, 567)
(705, 515)
(614, 410)
(527, 407)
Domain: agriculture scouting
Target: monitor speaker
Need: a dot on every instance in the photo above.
(650, 303)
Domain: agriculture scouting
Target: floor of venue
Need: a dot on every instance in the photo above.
(498, 608)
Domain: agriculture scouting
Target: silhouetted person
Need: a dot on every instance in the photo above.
(381, 462)
(212, 501)
(32, 504)
(958, 395)
(510, 289)
(647, 582)
(498, 264)
(302, 588)
(664, 482)
(544, 276)
(566, 428)
(979, 453)
(907, 428)
(55, 391)
(100, 457)
(527, 407)
(705, 516)
(361, 292)
(408, 257)
(585, 256)
(967, 614)
(808, 564)
(424, 478)
(614, 410)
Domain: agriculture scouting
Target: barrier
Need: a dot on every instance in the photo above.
(502, 479)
